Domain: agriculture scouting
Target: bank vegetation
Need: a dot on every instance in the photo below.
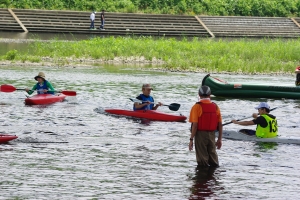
(209, 55)
(262, 8)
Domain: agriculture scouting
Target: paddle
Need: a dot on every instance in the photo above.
(172, 106)
(251, 116)
(10, 88)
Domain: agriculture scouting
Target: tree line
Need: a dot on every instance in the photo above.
(261, 8)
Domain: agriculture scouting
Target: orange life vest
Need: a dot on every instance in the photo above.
(208, 121)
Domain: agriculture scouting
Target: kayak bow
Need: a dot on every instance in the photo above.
(6, 138)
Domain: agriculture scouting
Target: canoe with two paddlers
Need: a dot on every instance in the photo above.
(222, 88)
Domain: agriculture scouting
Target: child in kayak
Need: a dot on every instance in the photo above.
(147, 100)
(266, 123)
(42, 86)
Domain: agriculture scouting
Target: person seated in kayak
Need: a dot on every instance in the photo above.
(42, 86)
(147, 100)
(297, 71)
(266, 123)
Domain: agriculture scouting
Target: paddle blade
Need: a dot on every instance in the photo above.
(7, 88)
(69, 93)
(135, 100)
(174, 106)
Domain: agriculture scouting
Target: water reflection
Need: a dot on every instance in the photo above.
(20, 41)
(266, 146)
(204, 183)
(44, 36)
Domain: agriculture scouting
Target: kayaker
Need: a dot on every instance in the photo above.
(266, 123)
(206, 118)
(147, 100)
(297, 71)
(42, 86)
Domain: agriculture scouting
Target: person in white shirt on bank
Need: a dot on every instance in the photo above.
(92, 18)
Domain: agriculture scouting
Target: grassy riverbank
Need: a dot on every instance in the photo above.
(209, 55)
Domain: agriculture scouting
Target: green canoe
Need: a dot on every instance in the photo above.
(224, 89)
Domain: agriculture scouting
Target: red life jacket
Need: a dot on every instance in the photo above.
(208, 121)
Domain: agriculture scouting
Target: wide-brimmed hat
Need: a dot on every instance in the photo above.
(263, 105)
(40, 75)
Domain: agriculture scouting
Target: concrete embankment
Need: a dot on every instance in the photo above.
(23, 20)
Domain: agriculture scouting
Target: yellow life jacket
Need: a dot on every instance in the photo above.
(268, 132)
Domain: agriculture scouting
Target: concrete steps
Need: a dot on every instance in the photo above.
(252, 26)
(116, 23)
(149, 25)
(7, 22)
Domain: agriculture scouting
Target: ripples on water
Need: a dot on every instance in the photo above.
(71, 150)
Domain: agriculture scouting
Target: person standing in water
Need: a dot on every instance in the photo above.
(206, 118)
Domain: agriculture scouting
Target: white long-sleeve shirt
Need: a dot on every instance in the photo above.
(92, 17)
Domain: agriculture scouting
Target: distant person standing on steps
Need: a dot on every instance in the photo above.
(102, 20)
(92, 18)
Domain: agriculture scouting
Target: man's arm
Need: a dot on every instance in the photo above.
(137, 105)
(243, 123)
(220, 128)
(157, 105)
(219, 141)
(193, 133)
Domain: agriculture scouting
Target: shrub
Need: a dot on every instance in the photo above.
(11, 55)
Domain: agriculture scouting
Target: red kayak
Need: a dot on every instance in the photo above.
(148, 114)
(41, 99)
(6, 138)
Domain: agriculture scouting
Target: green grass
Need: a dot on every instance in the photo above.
(209, 55)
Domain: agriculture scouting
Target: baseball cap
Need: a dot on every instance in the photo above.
(262, 105)
(204, 91)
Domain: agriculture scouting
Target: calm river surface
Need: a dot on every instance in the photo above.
(72, 150)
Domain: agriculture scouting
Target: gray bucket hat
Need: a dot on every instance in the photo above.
(204, 91)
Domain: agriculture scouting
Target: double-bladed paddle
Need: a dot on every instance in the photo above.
(172, 106)
(10, 88)
(251, 116)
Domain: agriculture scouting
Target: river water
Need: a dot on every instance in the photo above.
(19, 41)
(73, 150)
